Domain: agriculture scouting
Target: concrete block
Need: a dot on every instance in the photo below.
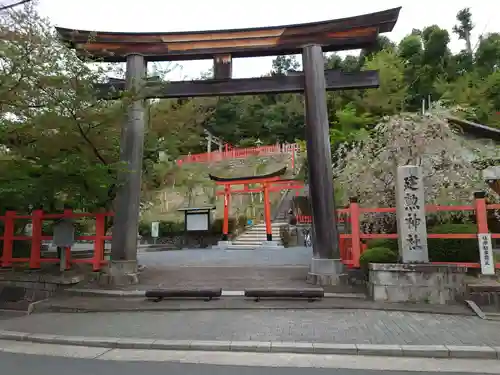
(132, 343)
(251, 346)
(13, 335)
(323, 348)
(380, 350)
(291, 347)
(41, 338)
(425, 351)
(69, 340)
(171, 345)
(497, 349)
(482, 352)
(101, 342)
(213, 346)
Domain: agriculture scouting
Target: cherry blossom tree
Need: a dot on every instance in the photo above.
(448, 158)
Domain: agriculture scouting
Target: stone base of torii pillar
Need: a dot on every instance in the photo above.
(325, 272)
(120, 273)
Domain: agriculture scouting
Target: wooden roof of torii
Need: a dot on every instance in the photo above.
(334, 35)
(273, 176)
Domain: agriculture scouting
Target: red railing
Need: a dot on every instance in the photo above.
(37, 217)
(353, 244)
(240, 153)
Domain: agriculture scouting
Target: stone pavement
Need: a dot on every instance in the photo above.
(295, 256)
(308, 326)
(227, 269)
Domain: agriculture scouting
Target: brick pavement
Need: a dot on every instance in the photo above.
(327, 326)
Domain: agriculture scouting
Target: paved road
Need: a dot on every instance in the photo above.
(337, 326)
(296, 256)
(22, 364)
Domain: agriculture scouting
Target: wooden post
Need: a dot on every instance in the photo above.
(124, 242)
(36, 239)
(223, 67)
(8, 238)
(100, 233)
(225, 224)
(355, 231)
(267, 212)
(325, 234)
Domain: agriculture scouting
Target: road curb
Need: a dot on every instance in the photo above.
(421, 351)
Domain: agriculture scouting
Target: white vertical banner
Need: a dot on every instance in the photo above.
(486, 254)
(155, 229)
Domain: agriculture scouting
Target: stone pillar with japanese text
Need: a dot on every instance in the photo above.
(410, 211)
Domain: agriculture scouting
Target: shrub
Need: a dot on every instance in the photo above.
(442, 250)
(453, 250)
(391, 244)
(377, 255)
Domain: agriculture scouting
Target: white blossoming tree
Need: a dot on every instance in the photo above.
(367, 170)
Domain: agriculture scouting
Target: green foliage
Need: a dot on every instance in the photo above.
(167, 228)
(377, 255)
(441, 250)
(391, 244)
(453, 250)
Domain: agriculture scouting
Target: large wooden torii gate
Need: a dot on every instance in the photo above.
(310, 40)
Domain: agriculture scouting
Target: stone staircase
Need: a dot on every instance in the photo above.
(255, 235)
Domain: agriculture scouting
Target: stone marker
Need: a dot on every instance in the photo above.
(410, 211)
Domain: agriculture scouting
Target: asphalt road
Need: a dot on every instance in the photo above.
(22, 364)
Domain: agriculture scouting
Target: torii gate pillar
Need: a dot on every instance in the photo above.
(325, 264)
(123, 265)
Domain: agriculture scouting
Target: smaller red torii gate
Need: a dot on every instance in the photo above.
(270, 182)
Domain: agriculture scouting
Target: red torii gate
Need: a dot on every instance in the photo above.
(268, 183)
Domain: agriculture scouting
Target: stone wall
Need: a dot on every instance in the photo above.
(422, 283)
(19, 289)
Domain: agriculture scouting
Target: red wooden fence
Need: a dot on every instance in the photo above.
(353, 244)
(37, 217)
(240, 153)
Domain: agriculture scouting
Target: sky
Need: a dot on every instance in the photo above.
(194, 15)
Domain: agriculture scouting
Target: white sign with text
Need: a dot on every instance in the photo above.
(486, 254)
(155, 229)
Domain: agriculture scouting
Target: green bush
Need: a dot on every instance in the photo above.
(453, 250)
(377, 255)
(164, 228)
(388, 243)
(442, 250)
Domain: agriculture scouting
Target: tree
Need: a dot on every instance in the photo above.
(447, 159)
(63, 142)
(390, 97)
(464, 28)
(284, 64)
(488, 54)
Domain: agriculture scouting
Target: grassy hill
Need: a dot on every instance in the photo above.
(190, 186)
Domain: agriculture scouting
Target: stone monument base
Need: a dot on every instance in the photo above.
(325, 271)
(423, 283)
(120, 272)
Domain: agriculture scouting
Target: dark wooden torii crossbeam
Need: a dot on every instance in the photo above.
(311, 39)
(334, 79)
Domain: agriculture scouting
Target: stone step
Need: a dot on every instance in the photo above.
(262, 234)
(242, 247)
(236, 243)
